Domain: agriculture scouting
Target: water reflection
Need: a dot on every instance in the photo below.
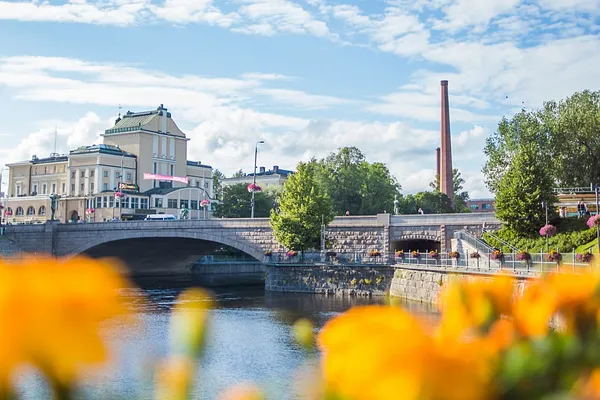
(250, 339)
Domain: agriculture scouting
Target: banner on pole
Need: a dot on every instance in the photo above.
(158, 177)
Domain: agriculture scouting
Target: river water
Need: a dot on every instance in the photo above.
(250, 340)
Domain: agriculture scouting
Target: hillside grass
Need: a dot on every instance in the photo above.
(572, 233)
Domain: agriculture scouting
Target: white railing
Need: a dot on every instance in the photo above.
(445, 219)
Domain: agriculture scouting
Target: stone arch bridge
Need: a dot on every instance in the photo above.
(178, 242)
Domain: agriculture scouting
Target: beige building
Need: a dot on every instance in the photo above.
(275, 177)
(141, 168)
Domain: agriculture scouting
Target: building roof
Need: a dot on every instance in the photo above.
(101, 148)
(144, 121)
(52, 159)
(278, 171)
(160, 190)
(197, 164)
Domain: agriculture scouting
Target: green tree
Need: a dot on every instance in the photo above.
(524, 129)
(573, 125)
(378, 190)
(303, 207)
(521, 192)
(218, 178)
(238, 174)
(460, 196)
(236, 203)
(355, 185)
(430, 202)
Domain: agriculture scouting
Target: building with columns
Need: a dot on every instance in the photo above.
(141, 168)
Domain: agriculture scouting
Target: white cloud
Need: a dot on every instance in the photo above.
(463, 13)
(303, 99)
(125, 12)
(186, 11)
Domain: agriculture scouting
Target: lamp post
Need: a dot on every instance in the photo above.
(254, 177)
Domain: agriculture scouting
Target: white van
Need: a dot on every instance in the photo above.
(160, 217)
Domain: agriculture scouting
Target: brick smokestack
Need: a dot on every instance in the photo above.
(437, 166)
(446, 182)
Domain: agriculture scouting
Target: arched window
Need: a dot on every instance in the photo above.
(42, 210)
(30, 210)
(19, 210)
(8, 211)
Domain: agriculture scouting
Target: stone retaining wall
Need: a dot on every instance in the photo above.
(426, 285)
(330, 279)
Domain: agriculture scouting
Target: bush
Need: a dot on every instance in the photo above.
(572, 233)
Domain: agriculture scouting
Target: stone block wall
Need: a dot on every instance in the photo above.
(426, 285)
(358, 239)
(330, 280)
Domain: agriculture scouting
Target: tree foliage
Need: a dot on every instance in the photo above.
(565, 134)
(236, 203)
(430, 202)
(303, 207)
(217, 183)
(355, 185)
(460, 196)
(522, 190)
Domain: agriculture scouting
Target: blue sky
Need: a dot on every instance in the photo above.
(306, 76)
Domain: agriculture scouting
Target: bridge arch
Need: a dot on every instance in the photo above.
(121, 235)
(422, 242)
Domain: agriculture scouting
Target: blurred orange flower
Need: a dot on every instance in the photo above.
(51, 313)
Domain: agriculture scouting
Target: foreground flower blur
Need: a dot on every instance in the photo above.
(491, 343)
(51, 313)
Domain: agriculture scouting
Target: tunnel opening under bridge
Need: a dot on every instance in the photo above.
(420, 245)
(207, 262)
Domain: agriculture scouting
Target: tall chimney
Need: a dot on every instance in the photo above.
(446, 182)
(437, 167)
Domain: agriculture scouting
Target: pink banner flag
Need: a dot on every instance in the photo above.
(158, 177)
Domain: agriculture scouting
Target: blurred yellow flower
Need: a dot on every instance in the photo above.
(189, 321)
(244, 391)
(475, 304)
(51, 313)
(174, 378)
(303, 333)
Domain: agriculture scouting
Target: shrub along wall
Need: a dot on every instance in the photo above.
(572, 233)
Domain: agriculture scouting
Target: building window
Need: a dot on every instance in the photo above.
(206, 185)
(158, 203)
(73, 174)
(105, 187)
(9, 210)
(44, 189)
(45, 170)
(92, 187)
(486, 206)
(172, 203)
(105, 174)
(155, 167)
(474, 207)
(34, 190)
(135, 203)
(194, 204)
(92, 173)
(30, 210)
(64, 187)
(72, 188)
(82, 187)
(183, 204)
(143, 203)
(117, 175)
(129, 176)
(53, 188)
(54, 169)
(42, 210)
(19, 210)
(172, 170)
(98, 202)
(18, 190)
(82, 174)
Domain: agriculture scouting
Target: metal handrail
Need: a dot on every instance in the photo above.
(510, 246)
(473, 241)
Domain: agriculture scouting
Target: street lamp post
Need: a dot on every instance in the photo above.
(254, 177)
